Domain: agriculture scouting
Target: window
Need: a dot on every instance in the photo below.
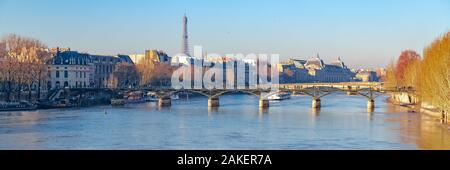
(66, 74)
(57, 74)
(84, 73)
(49, 85)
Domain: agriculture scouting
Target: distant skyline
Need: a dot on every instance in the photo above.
(363, 33)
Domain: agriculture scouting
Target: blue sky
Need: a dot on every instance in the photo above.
(368, 33)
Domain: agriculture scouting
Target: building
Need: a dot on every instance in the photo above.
(104, 66)
(381, 73)
(158, 56)
(125, 59)
(367, 76)
(336, 71)
(136, 58)
(294, 71)
(314, 70)
(155, 55)
(70, 69)
(185, 45)
(54, 50)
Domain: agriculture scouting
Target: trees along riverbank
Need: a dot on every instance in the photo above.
(22, 67)
(429, 77)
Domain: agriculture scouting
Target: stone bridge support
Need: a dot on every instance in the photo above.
(263, 103)
(370, 104)
(213, 102)
(316, 103)
(164, 102)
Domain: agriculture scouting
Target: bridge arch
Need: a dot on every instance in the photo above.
(171, 92)
(252, 93)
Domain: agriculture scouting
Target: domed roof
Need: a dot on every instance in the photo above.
(338, 63)
(315, 62)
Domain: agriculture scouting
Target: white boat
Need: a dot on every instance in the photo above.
(151, 97)
(279, 96)
(174, 97)
(134, 97)
(17, 106)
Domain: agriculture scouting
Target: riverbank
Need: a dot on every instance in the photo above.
(411, 101)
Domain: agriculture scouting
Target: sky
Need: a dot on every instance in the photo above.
(365, 34)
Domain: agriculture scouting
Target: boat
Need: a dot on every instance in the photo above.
(117, 102)
(151, 97)
(135, 97)
(174, 97)
(279, 96)
(17, 106)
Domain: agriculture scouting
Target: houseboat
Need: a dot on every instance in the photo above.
(279, 96)
(17, 106)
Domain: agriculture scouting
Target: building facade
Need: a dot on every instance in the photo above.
(104, 66)
(70, 69)
(158, 56)
(367, 76)
(314, 70)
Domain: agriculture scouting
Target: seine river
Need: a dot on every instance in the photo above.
(342, 123)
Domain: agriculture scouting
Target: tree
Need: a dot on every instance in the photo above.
(152, 72)
(124, 76)
(411, 74)
(145, 69)
(435, 74)
(405, 58)
(162, 73)
(391, 80)
(22, 59)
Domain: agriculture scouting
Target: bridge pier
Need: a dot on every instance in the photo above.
(370, 104)
(316, 103)
(263, 103)
(164, 102)
(213, 102)
(350, 93)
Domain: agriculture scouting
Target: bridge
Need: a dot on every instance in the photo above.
(317, 91)
(369, 90)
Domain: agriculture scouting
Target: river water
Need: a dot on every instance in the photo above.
(342, 123)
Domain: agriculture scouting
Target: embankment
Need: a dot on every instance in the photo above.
(413, 102)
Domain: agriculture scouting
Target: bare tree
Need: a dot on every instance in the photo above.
(22, 59)
(124, 76)
(152, 72)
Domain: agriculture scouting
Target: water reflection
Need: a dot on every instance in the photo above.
(263, 110)
(420, 129)
(213, 109)
(370, 110)
(370, 116)
(315, 111)
(239, 123)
